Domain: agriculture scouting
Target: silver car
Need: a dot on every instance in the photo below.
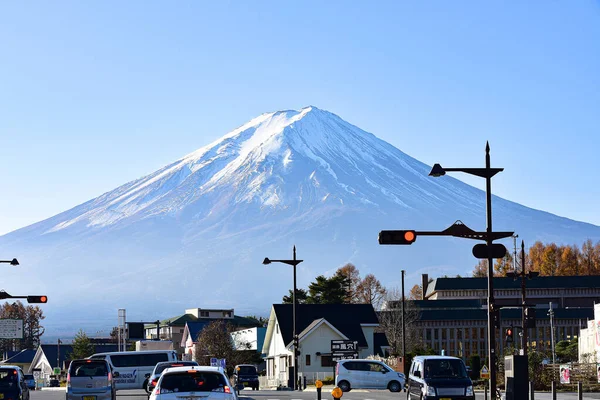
(90, 380)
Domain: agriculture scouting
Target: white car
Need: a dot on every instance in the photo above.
(193, 383)
(367, 374)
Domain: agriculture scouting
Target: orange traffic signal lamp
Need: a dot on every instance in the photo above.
(37, 299)
(397, 237)
(509, 335)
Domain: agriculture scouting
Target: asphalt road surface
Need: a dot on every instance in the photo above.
(306, 395)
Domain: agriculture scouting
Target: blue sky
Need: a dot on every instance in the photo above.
(94, 94)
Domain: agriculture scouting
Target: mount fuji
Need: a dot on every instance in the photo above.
(195, 232)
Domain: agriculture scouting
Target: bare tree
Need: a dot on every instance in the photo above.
(352, 277)
(215, 340)
(390, 321)
(371, 291)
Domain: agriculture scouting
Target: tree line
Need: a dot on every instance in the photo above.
(32, 328)
(344, 287)
(549, 259)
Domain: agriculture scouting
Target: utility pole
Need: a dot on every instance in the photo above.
(403, 328)
(551, 314)
(515, 252)
(58, 353)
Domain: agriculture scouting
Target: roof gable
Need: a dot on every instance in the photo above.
(314, 326)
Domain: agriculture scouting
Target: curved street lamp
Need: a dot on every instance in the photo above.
(294, 262)
(13, 262)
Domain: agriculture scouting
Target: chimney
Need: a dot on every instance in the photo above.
(424, 283)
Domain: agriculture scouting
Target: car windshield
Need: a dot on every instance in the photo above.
(161, 367)
(29, 377)
(445, 368)
(88, 368)
(8, 377)
(246, 370)
(196, 381)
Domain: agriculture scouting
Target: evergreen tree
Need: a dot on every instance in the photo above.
(301, 297)
(328, 290)
(82, 346)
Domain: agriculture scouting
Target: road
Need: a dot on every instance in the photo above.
(307, 395)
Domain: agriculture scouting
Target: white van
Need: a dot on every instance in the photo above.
(134, 367)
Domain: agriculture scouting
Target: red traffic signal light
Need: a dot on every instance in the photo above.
(397, 237)
(37, 299)
(509, 335)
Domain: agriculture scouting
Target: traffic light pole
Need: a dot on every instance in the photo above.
(524, 337)
(489, 241)
(295, 338)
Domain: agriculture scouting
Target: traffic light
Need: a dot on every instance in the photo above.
(529, 318)
(296, 350)
(509, 335)
(37, 299)
(397, 237)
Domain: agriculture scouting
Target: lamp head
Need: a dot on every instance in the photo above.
(266, 261)
(14, 262)
(437, 171)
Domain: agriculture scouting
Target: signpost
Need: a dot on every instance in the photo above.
(11, 328)
(344, 349)
(56, 371)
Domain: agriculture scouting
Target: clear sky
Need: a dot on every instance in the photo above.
(96, 93)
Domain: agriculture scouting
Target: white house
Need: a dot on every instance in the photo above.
(589, 339)
(317, 325)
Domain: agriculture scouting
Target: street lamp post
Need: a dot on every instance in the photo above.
(293, 262)
(486, 173)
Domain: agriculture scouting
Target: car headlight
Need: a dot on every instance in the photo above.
(469, 391)
(429, 390)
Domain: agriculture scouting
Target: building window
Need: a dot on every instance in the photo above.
(227, 314)
(326, 361)
(308, 359)
(204, 313)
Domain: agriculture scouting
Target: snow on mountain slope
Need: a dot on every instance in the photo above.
(194, 232)
(279, 160)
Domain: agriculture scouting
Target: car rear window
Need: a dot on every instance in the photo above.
(8, 377)
(29, 377)
(197, 381)
(88, 368)
(445, 368)
(247, 370)
(162, 366)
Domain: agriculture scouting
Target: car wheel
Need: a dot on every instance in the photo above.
(394, 386)
(344, 385)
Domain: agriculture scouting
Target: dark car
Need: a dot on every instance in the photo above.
(439, 377)
(54, 383)
(30, 381)
(12, 383)
(246, 376)
(160, 367)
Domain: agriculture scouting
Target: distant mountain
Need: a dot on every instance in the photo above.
(195, 232)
